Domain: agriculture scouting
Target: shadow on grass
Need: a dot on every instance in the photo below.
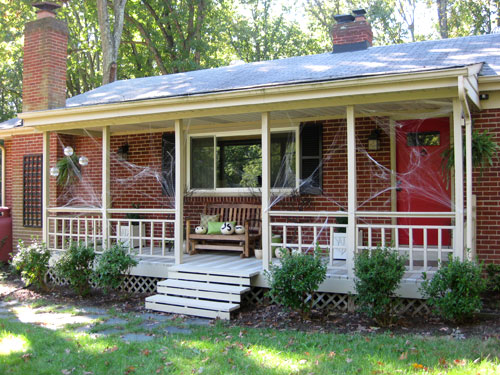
(221, 350)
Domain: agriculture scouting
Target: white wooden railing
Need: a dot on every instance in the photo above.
(302, 230)
(147, 237)
(305, 236)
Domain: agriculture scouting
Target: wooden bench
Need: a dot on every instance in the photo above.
(248, 215)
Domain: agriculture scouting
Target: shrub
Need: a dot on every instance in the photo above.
(294, 280)
(112, 264)
(454, 291)
(378, 274)
(493, 280)
(76, 266)
(32, 263)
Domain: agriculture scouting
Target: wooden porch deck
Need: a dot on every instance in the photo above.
(222, 263)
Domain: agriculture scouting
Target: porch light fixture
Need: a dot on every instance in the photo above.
(68, 151)
(123, 151)
(374, 140)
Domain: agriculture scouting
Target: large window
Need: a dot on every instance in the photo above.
(236, 162)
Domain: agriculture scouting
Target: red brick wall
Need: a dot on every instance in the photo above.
(352, 32)
(487, 190)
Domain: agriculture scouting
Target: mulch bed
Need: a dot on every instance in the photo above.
(486, 324)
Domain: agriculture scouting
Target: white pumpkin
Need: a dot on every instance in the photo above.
(281, 251)
(227, 228)
(200, 229)
(239, 229)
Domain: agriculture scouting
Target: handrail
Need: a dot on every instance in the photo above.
(75, 209)
(110, 210)
(309, 213)
(389, 214)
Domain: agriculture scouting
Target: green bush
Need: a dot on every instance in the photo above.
(454, 291)
(378, 274)
(493, 280)
(76, 265)
(293, 282)
(112, 264)
(32, 263)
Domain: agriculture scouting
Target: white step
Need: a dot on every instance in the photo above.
(210, 278)
(227, 297)
(214, 271)
(188, 311)
(209, 287)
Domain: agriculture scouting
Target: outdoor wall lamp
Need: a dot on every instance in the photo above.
(374, 140)
(123, 151)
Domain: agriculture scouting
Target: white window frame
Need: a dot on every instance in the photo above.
(241, 190)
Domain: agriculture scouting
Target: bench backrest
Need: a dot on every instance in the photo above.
(238, 213)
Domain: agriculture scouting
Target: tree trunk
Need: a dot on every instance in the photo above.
(442, 6)
(110, 38)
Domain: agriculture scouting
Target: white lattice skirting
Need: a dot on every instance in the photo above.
(132, 284)
(341, 302)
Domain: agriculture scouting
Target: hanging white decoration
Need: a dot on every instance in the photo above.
(68, 151)
(83, 161)
(54, 171)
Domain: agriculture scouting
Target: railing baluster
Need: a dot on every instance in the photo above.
(382, 233)
(425, 249)
(410, 244)
(332, 229)
(370, 238)
(152, 244)
(162, 238)
(300, 238)
(315, 235)
(285, 242)
(440, 245)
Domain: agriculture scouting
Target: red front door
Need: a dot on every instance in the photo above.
(421, 183)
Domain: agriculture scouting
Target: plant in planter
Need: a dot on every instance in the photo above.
(69, 170)
(484, 150)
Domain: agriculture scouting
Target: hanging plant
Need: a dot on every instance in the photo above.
(484, 150)
(69, 170)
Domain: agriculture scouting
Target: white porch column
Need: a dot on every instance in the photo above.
(45, 187)
(266, 190)
(106, 196)
(468, 163)
(459, 179)
(351, 192)
(180, 176)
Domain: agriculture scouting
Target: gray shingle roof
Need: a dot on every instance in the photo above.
(399, 58)
(12, 123)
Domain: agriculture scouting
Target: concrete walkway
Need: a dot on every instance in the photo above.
(98, 322)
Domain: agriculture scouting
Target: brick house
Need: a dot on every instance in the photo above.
(358, 133)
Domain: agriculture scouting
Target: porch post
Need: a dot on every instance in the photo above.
(468, 166)
(459, 181)
(351, 192)
(266, 185)
(106, 197)
(45, 187)
(180, 174)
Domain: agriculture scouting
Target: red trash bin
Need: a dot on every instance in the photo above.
(5, 234)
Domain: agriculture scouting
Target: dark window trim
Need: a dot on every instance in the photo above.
(32, 190)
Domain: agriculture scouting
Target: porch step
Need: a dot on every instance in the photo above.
(199, 294)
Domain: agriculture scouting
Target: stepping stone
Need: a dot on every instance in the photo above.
(4, 310)
(150, 324)
(137, 337)
(177, 330)
(115, 321)
(157, 317)
(93, 310)
(197, 322)
(109, 332)
(83, 329)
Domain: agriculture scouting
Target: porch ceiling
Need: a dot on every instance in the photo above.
(398, 110)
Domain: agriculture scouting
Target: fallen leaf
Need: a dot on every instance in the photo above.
(332, 354)
(26, 357)
(129, 370)
(303, 361)
(145, 352)
(459, 362)
(348, 360)
(110, 350)
(417, 366)
(442, 361)
(67, 351)
(169, 363)
(403, 356)
(66, 372)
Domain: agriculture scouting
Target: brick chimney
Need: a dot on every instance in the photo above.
(351, 32)
(45, 53)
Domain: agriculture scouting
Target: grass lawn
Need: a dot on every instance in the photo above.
(27, 349)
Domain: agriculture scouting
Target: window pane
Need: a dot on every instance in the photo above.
(239, 162)
(283, 169)
(423, 139)
(202, 163)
